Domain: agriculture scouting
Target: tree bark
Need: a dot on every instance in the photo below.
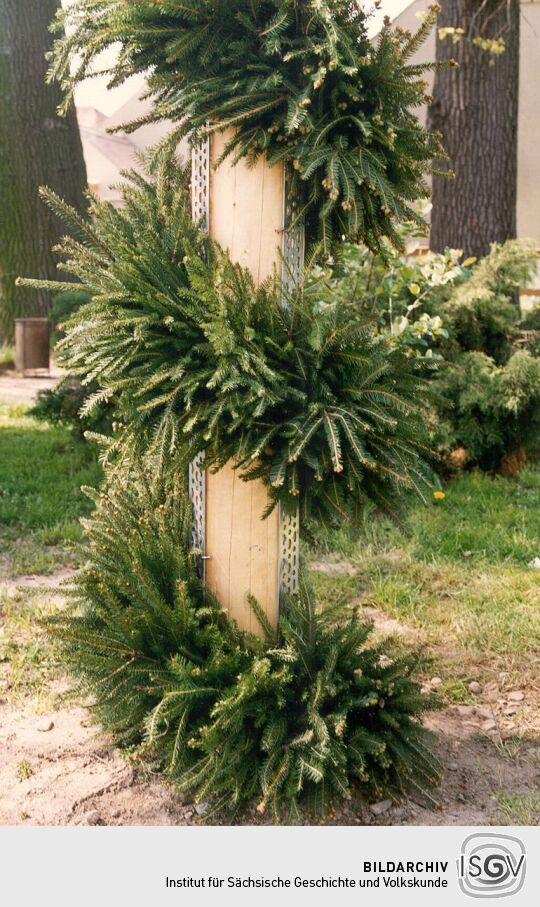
(37, 147)
(475, 107)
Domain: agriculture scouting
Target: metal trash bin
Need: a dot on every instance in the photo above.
(32, 344)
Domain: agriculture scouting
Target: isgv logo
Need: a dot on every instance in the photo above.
(491, 866)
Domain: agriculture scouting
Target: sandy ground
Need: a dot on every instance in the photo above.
(16, 389)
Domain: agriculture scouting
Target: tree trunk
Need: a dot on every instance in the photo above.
(475, 107)
(37, 147)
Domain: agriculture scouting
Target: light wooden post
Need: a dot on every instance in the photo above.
(245, 210)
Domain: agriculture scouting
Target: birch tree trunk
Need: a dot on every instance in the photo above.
(36, 147)
(475, 107)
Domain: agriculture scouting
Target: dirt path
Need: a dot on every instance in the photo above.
(56, 770)
(16, 389)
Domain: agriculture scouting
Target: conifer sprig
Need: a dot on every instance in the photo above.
(293, 723)
(295, 388)
(297, 79)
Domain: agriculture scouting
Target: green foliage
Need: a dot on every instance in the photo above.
(460, 325)
(298, 80)
(495, 410)
(62, 405)
(295, 388)
(292, 721)
(482, 313)
(63, 305)
(140, 616)
(330, 713)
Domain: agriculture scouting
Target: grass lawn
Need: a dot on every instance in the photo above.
(460, 582)
(41, 472)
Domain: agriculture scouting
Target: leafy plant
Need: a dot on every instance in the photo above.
(494, 410)
(482, 313)
(295, 720)
(294, 388)
(62, 405)
(297, 80)
(459, 323)
(139, 615)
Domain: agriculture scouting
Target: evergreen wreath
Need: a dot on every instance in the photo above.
(297, 80)
(296, 721)
(304, 395)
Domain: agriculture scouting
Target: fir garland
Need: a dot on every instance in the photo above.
(298, 80)
(296, 721)
(306, 396)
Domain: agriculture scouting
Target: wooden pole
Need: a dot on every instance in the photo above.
(246, 217)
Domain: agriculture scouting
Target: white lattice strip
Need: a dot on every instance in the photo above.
(197, 498)
(200, 183)
(293, 241)
(289, 551)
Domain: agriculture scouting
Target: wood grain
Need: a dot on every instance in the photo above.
(246, 218)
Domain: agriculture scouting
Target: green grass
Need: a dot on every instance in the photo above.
(461, 580)
(518, 809)
(41, 472)
(27, 657)
(7, 358)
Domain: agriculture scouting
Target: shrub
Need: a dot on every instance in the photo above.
(139, 616)
(460, 325)
(482, 313)
(296, 720)
(492, 411)
(62, 405)
(317, 712)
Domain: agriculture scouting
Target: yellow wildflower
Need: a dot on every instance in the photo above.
(439, 495)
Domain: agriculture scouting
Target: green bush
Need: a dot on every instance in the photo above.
(62, 405)
(460, 325)
(492, 411)
(295, 721)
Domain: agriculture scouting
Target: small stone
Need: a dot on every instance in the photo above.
(465, 711)
(475, 687)
(201, 809)
(45, 725)
(467, 554)
(92, 818)
(535, 564)
(398, 812)
(453, 767)
(116, 813)
(484, 713)
(516, 696)
(436, 681)
(489, 725)
(379, 809)
(510, 710)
